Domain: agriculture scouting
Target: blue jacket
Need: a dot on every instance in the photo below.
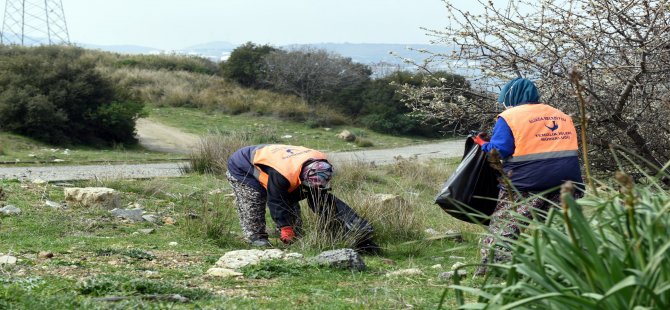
(537, 175)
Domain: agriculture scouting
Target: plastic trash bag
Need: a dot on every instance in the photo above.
(471, 191)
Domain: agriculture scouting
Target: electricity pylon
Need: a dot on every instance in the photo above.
(34, 22)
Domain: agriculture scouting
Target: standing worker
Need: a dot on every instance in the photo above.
(538, 146)
(280, 176)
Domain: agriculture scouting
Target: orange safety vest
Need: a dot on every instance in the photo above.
(540, 132)
(286, 159)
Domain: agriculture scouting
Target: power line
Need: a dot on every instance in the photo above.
(34, 22)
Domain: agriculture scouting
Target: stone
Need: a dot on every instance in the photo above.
(93, 197)
(52, 204)
(45, 255)
(10, 210)
(7, 260)
(241, 258)
(444, 276)
(346, 135)
(223, 272)
(405, 272)
(341, 258)
(147, 231)
(151, 218)
(173, 243)
(129, 214)
(39, 182)
(169, 220)
(436, 266)
(387, 200)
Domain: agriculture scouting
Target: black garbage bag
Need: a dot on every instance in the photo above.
(471, 191)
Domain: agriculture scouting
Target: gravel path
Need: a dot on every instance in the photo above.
(164, 138)
(66, 173)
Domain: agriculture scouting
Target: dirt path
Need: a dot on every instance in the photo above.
(163, 138)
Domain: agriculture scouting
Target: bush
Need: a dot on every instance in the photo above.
(613, 259)
(55, 94)
(245, 63)
(212, 153)
(169, 63)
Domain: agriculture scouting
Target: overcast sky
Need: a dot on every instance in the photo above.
(173, 24)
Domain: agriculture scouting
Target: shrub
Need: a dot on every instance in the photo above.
(615, 258)
(54, 94)
(244, 64)
(212, 153)
(168, 62)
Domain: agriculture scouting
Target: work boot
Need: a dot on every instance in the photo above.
(260, 243)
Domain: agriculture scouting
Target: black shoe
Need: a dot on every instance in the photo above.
(260, 243)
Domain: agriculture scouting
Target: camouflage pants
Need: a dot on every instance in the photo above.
(250, 208)
(505, 221)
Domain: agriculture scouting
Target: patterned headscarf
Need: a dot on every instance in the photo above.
(317, 174)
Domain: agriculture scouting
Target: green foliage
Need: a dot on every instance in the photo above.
(380, 107)
(106, 285)
(55, 94)
(168, 62)
(615, 258)
(268, 269)
(245, 64)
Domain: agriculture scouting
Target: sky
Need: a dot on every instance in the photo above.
(175, 24)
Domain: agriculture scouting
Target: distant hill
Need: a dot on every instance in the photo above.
(381, 57)
(123, 49)
(372, 53)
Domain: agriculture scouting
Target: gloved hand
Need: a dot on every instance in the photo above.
(287, 235)
(481, 138)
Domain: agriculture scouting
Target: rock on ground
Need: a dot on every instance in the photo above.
(241, 258)
(341, 258)
(93, 197)
(10, 210)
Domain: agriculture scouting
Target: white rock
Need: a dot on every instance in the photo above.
(223, 272)
(7, 260)
(10, 210)
(287, 136)
(173, 243)
(58, 160)
(346, 135)
(405, 272)
(437, 266)
(52, 204)
(240, 258)
(39, 181)
(456, 265)
(93, 197)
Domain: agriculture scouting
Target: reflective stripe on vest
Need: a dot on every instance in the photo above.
(286, 159)
(540, 132)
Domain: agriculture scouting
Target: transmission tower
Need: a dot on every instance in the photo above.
(34, 22)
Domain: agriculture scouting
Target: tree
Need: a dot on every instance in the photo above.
(312, 74)
(245, 64)
(382, 108)
(621, 48)
(55, 94)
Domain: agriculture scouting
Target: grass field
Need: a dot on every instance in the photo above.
(97, 255)
(325, 139)
(18, 150)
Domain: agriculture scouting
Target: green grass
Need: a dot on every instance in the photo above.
(199, 122)
(97, 255)
(18, 150)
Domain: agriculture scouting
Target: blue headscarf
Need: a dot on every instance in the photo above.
(518, 91)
